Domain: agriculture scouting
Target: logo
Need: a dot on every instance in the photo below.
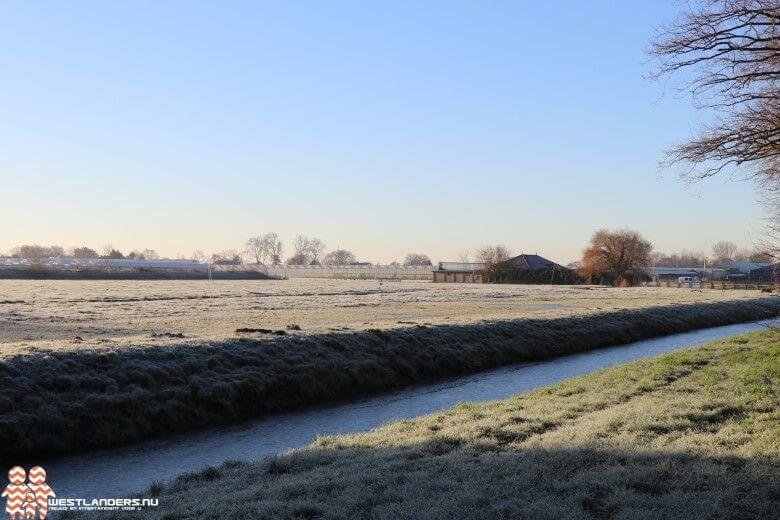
(27, 500)
(29, 497)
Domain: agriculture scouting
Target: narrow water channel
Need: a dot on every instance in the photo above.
(115, 472)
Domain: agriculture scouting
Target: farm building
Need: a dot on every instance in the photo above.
(459, 272)
(103, 264)
(519, 269)
(769, 273)
(531, 269)
(63, 268)
(674, 273)
(744, 267)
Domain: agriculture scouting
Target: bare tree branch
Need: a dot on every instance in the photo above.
(732, 47)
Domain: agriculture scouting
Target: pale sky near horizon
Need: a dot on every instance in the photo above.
(383, 128)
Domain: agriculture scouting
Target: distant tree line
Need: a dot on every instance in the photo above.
(225, 257)
(622, 257)
(268, 249)
(723, 254)
(263, 249)
(417, 259)
(38, 252)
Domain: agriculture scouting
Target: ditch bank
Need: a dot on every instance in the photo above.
(690, 434)
(56, 402)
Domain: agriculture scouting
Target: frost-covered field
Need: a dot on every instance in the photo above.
(54, 314)
(94, 364)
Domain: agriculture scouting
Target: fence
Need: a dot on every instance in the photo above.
(349, 272)
(716, 284)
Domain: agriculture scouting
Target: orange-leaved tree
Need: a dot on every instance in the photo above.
(617, 256)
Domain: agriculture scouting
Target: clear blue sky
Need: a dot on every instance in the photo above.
(382, 127)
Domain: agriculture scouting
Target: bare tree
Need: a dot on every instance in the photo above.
(301, 246)
(464, 256)
(742, 255)
(199, 256)
(146, 254)
(732, 48)
(760, 256)
(226, 257)
(618, 255)
(723, 252)
(417, 259)
(316, 250)
(490, 256)
(84, 252)
(109, 252)
(36, 252)
(274, 247)
(297, 259)
(339, 257)
(684, 258)
(256, 249)
(770, 244)
(310, 249)
(755, 255)
(262, 248)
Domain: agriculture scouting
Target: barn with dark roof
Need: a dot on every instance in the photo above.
(769, 273)
(519, 269)
(528, 263)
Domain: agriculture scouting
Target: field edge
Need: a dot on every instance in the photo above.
(59, 402)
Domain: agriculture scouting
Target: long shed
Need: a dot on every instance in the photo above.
(522, 268)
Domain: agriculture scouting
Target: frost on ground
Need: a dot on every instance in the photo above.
(92, 364)
(693, 434)
(80, 314)
(68, 399)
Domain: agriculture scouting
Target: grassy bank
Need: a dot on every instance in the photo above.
(693, 434)
(66, 400)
